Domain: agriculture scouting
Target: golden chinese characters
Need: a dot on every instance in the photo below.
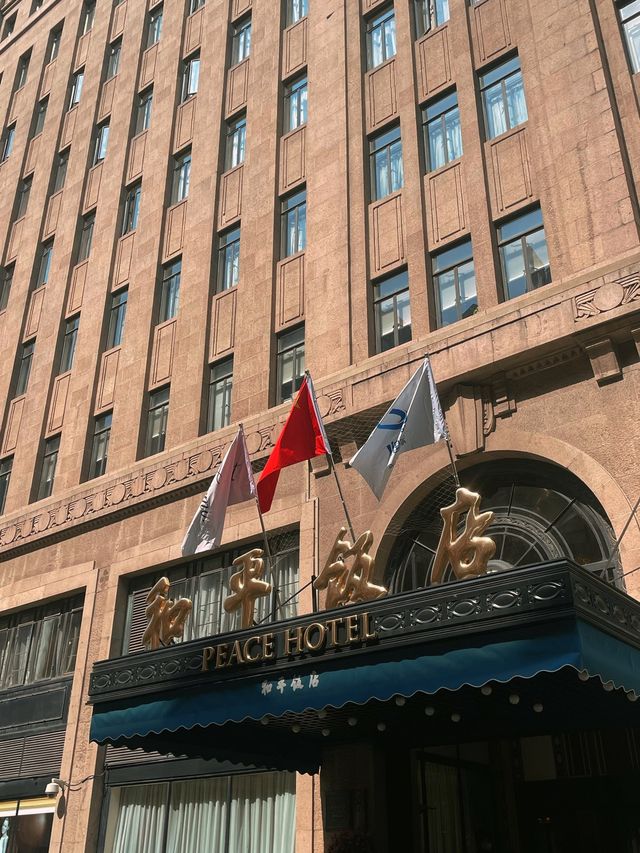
(466, 552)
(247, 585)
(165, 618)
(349, 582)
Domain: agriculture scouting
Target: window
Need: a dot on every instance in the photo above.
(143, 116)
(157, 421)
(23, 197)
(113, 59)
(523, 254)
(44, 266)
(228, 260)
(86, 237)
(294, 224)
(295, 104)
(194, 5)
(430, 14)
(6, 280)
(220, 386)
(392, 312)
(381, 38)
(61, 171)
(100, 446)
(236, 141)
(170, 293)
(49, 462)
(290, 367)
(5, 476)
(442, 134)
(190, 77)
(503, 98)
(630, 17)
(88, 15)
(39, 644)
(7, 142)
(296, 10)
(181, 177)
(454, 280)
(241, 41)
(77, 82)
(36, 6)
(155, 27)
(54, 44)
(100, 144)
(69, 344)
(131, 209)
(23, 71)
(117, 314)
(24, 368)
(386, 163)
(41, 114)
(9, 26)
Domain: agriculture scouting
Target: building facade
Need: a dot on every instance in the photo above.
(203, 200)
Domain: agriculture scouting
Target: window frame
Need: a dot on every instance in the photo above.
(170, 291)
(230, 248)
(455, 268)
(113, 60)
(100, 143)
(289, 344)
(509, 72)
(24, 368)
(626, 20)
(55, 39)
(85, 241)
(220, 394)
(6, 281)
(69, 341)
(100, 444)
(288, 208)
(154, 26)
(41, 115)
(61, 166)
(77, 84)
(520, 237)
(241, 41)
(144, 108)
(425, 21)
(117, 318)
(6, 467)
(48, 467)
(296, 103)
(235, 142)
(296, 11)
(158, 408)
(44, 264)
(190, 78)
(393, 296)
(378, 144)
(9, 138)
(380, 20)
(88, 16)
(181, 177)
(440, 108)
(131, 209)
(24, 193)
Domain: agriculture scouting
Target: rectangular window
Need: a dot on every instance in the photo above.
(503, 97)
(190, 77)
(39, 644)
(236, 142)
(170, 293)
(454, 280)
(6, 280)
(181, 177)
(100, 446)
(241, 41)
(157, 421)
(228, 260)
(77, 82)
(386, 164)
(295, 104)
(7, 142)
(41, 114)
(523, 254)
(131, 209)
(44, 266)
(442, 133)
(630, 17)
(61, 171)
(381, 38)
(155, 27)
(69, 344)
(23, 71)
(117, 314)
(49, 462)
(220, 387)
(296, 11)
(430, 14)
(143, 115)
(36, 6)
(9, 26)
(23, 197)
(290, 366)
(88, 14)
(294, 224)
(392, 312)
(194, 5)
(5, 477)
(100, 144)
(86, 237)
(24, 368)
(54, 44)
(113, 59)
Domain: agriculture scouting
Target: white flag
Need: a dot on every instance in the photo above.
(232, 484)
(414, 419)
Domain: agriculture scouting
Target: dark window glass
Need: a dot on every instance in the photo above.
(100, 446)
(236, 141)
(194, 5)
(41, 114)
(7, 142)
(117, 314)
(294, 224)
(6, 279)
(295, 104)
(88, 16)
(430, 14)
(9, 26)
(241, 41)
(392, 312)
(36, 6)
(155, 27)
(454, 280)
(23, 71)
(170, 293)
(100, 144)
(143, 117)
(290, 367)
(296, 11)
(157, 422)
(77, 82)
(503, 97)
(44, 266)
(190, 77)
(86, 237)
(113, 59)
(69, 344)
(228, 260)
(630, 17)
(131, 209)
(49, 462)
(5, 476)
(54, 44)
(181, 177)
(23, 197)
(220, 387)
(381, 38)
(24, 368)
(386, 163)
(523, 254)
(61, 171)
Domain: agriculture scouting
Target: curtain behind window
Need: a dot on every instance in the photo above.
(198, 816)
(141, 815)
(263, 814)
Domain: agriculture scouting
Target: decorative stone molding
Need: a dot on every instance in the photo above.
(612, 294)
(547, 362)
(604, 361)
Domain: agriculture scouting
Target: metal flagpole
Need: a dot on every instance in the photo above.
(452, 457)
(616, 547)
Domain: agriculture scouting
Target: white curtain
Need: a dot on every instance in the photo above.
(197, 816)
(263, 814)
(141, 815)
(443, 809)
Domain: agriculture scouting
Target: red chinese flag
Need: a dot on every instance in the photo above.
(302, 437)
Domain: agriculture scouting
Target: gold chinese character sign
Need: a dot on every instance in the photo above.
(347, 580)
(165, 618)
(467, 552)
(247, 585)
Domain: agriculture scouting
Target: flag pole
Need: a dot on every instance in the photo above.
(456, 478)
(332, 465)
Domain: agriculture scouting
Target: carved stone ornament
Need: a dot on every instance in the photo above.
(347, 580)
(468, 553)
(165, 618)
(610, 295)
(247, 585)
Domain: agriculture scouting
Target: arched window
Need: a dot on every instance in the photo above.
(542, 512)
